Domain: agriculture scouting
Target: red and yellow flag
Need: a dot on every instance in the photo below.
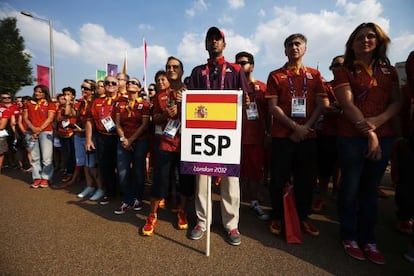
(217, 111)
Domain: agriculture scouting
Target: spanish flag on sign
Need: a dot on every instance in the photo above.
(217, 111)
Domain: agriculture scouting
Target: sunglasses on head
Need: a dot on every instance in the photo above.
(113, 83)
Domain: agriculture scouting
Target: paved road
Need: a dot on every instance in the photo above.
(51, 232)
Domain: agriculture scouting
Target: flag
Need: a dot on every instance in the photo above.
(144, 78)
(43, 75)
(112, 70)
(215, 111)
(124, 68)
(100, 75)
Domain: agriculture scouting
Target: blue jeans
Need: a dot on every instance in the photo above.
(357, 198)
(42, 156)
(82, 157)
(131, 170)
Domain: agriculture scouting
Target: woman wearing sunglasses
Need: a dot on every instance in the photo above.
(132, 116)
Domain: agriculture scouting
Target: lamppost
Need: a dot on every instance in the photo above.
(52, 58)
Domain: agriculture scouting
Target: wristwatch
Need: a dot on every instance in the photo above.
(122, 138)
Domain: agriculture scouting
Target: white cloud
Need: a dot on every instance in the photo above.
(39, 39)
(197, 6)
(236, 4)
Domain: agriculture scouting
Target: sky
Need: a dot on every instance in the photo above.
(87, 35)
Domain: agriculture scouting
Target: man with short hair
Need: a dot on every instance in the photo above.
(122, 81)
(254, 132)
(106, 137)
(218, 74)
(296, 98)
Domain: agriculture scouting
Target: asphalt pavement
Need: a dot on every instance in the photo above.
(52, 232)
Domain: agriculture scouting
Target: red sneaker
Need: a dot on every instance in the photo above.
(309, 228)
(149, 227)
(122, 209)
(275, 227)
(105, 200)
(373, 254)
(36, 183)
(44, 183)
(352, 249)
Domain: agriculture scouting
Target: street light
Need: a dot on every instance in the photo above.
(52, 56)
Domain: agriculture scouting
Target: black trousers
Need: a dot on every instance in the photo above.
(106, 158)
(296, 163)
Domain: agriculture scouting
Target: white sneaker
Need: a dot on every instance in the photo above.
(97, 195)
(86, 192)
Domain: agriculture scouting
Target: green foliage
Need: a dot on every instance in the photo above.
(15, 69)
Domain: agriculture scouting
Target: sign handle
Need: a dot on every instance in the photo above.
(209, 211)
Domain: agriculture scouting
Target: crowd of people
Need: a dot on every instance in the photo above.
(297, 130)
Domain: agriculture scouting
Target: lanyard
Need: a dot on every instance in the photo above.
(292, 87)
(223, 74)
(107, 101)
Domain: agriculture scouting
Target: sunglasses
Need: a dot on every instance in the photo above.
(86, 88)
(133, 83)
(243, 63)
(113, 83)
(151, 89)
(6, 98)
(175, 67)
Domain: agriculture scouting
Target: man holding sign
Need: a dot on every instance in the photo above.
(217, 74)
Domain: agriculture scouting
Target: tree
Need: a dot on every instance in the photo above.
(15, 69)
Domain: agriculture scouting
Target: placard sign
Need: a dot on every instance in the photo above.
(211, 132)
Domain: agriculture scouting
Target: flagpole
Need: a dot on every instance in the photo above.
(125, 67)
(145, 61)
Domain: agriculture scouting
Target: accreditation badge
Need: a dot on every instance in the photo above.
(252, 112)
(108, 123)
(171, 128)
(65, 123)
(298, 107)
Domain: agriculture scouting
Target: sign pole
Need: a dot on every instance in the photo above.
(209, 211)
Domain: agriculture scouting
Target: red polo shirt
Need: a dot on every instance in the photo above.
(279, 84)
(131, 114)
